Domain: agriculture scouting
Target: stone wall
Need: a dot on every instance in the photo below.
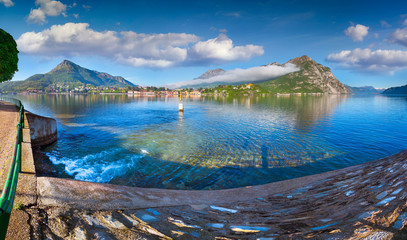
(43, 130)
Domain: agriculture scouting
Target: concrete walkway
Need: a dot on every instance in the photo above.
(8, 125)
(26, 195)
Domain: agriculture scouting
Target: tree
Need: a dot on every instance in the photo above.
(8, 56)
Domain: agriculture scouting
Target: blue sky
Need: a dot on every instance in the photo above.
(163, 42)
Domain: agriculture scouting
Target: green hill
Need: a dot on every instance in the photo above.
(312, 78)
(66, 74)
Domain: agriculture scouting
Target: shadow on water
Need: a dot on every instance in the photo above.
(210, 178)
(264, 155)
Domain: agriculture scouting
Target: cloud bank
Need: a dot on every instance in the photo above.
(252, 75)
(135, 49)
(377, 61)
(46, 8)
(7, 3)
(367, 60)
(357, 33)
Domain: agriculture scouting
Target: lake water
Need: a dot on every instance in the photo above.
(217, 142)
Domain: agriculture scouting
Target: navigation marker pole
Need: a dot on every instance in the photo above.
(181, 104)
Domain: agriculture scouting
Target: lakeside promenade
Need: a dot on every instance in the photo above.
(20, 226)
(367, 201)
(8, 124)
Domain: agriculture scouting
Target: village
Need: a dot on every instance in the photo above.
(72, 88)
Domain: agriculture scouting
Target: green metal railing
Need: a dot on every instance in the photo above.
(9, 189)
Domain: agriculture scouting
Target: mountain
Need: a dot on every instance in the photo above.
(396, 90)
(211, 73)
(200, 81)
(66, 73)
(364, 90)
(312, 78)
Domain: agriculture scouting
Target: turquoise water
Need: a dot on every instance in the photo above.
(218, 142)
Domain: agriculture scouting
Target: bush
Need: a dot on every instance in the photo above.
(8, 56)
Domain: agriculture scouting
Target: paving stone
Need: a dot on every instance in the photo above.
(143, 215)
(109, 222)
(379, 236)
(180, 223)
(102, 236)
(93, 221)
(80, 233)
(58, 227)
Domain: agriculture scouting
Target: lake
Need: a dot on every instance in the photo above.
(218, 142)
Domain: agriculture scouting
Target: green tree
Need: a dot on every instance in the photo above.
(8, 56)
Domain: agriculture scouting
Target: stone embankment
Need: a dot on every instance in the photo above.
(43, 130)
(367, 201)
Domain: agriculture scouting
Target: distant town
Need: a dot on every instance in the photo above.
(243, 89)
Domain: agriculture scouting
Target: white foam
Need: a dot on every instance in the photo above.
(97, 167)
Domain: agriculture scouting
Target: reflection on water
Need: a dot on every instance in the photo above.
(218, 142)
(305, 110)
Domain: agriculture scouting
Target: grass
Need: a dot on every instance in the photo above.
(19, 206)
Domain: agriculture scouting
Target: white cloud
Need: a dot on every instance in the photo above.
(385, 24)
(385, 61)
(222, 49)
(233, 14)
(71, 39)
(7, 3)
(357, 33)
(222, 30)
(46, 8)
(131, 48)
(399, 36)
(37, 16)
(254, 74)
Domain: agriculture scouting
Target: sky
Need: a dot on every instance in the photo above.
(159, 43)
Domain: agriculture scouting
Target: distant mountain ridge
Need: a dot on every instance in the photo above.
(65, 73)
(211, 73)
(396, 90)
(364, 90)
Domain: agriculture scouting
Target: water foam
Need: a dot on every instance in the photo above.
(97, 167)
